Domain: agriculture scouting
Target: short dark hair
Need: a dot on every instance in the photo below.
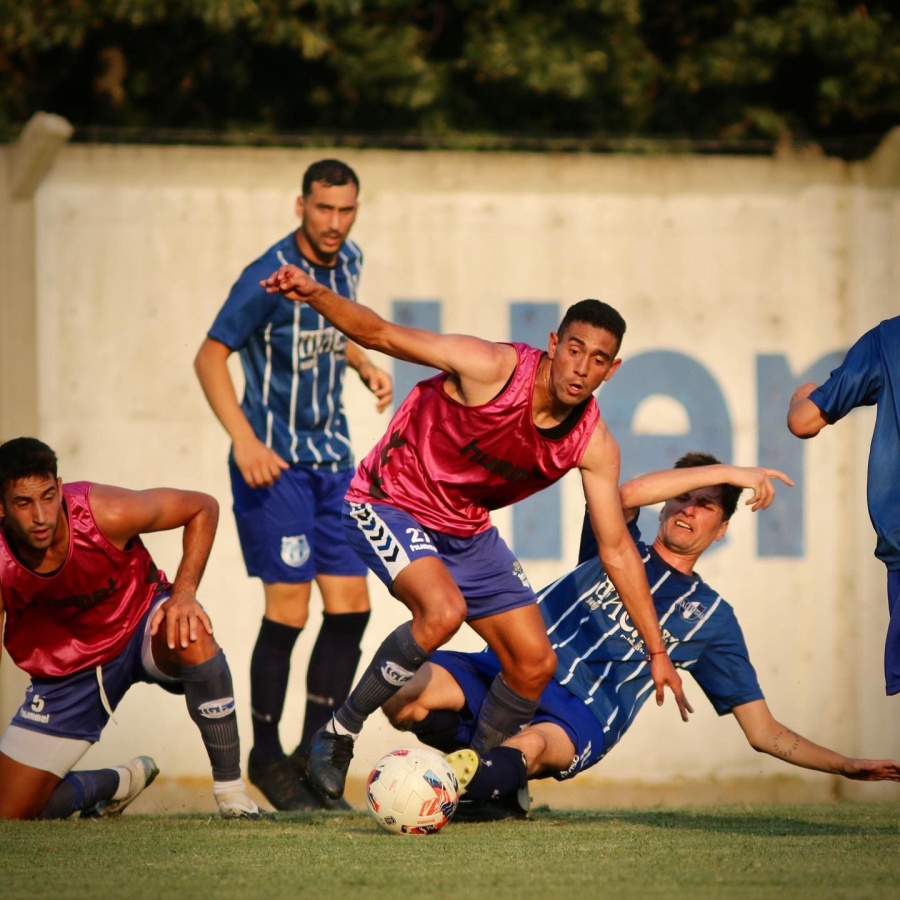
(328, 171)
(730, 493)
(25, 457)
(596, 313)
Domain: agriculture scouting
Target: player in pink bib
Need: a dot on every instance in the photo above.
(502, 422)
(88, 614)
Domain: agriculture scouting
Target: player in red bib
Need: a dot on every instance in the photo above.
(88, 614)
(502, 422)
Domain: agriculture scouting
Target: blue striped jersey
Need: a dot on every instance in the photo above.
(602, 659)
(293, 358)
(870, 374)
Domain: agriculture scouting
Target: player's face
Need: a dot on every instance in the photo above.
(690, 522)
(582, 358)
(33, 509)
(327, 214)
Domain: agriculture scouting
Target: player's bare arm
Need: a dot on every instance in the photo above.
(259, 465)
(600, 473)
(373, 377)
(804, 418)
(767, 735)
(657, 487)
(122, 515)
(478, 368)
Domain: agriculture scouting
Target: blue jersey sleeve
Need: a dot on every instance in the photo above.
(248, 306)
(855, 382)
(588, 549)
(724, 671)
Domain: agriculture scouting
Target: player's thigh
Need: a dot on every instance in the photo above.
(546, 747)
(431, 688)
(32, 764)
(519, 638)
(405, 558)
(438, 608)
(287, 604)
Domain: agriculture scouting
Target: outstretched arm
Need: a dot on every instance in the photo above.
(480, 367)
(657, 487)
(767, 735)
(620, 558)
(259, 465)
(122, 515)
(804, 418)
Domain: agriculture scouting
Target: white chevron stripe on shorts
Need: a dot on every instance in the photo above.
(387, 548)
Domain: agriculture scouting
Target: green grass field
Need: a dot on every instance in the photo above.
(845, 850)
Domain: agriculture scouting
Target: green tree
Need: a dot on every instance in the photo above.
(716, 70)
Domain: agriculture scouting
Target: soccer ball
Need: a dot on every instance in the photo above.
(412, 791)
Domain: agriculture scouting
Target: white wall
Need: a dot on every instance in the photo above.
(719, 259)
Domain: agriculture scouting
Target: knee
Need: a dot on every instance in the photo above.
(400, 712)
(533, 674)
(20, 809)
(171, 659)
(436, 624)
(288, 604)
(548, 665)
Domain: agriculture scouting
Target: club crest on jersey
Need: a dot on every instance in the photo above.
(519, 572)
(692, 610)
(294, 550)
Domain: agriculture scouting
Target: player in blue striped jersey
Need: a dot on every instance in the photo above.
(602, 677)
(291, 463)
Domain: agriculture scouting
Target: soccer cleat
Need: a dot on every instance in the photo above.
(329, 760)
(300, 764)
(465, 764)
(234, 803)
(280, 784)
(143, 770)
(514, 805)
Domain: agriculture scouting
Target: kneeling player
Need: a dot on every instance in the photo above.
(88, 615)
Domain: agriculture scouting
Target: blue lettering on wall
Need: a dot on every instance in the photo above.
(688, 382)
(671, 374)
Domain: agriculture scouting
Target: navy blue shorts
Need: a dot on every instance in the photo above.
(474, 672)
(892, 643)
(71, 706)
(292, 531)
(487, 573)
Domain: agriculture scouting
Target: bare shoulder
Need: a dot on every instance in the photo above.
(113, 509)
(480, 368)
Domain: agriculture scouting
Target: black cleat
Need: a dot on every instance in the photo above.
(514, 805)
(280, 785)
(300, 763)
(329, 760)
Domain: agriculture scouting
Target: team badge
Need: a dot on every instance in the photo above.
(692, 610)
(519, 572)
(294, 550)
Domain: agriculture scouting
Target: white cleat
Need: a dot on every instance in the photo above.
(143, 770)
(235, 803)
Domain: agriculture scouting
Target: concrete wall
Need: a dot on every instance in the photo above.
(738, 278)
